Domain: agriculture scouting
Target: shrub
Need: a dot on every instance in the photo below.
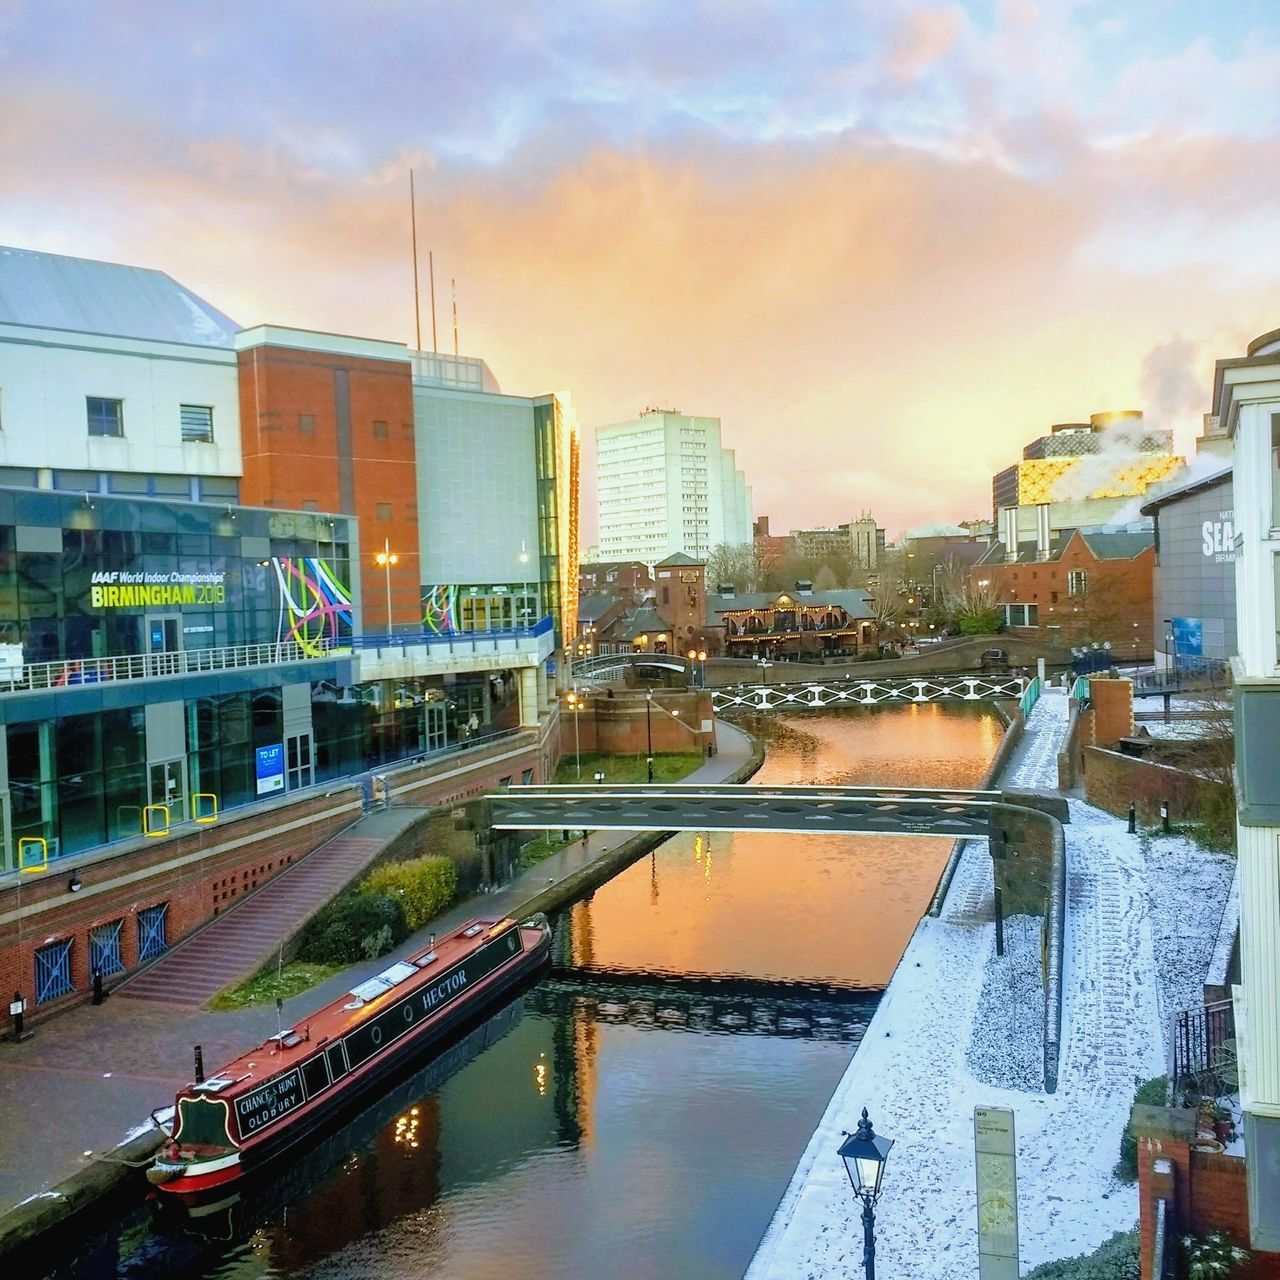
(356, 926)
(1150, 1093)
(1213, 1255)
(422, 886)
(1115, 1259)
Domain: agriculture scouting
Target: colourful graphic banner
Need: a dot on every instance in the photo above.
(315, 608)
(440, 610)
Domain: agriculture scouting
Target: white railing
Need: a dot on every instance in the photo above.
(35, 677)
(867, 693)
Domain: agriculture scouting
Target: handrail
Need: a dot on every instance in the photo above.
(33, 677)
(1080, 690)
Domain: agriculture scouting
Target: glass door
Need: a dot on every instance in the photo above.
(437, 728)
(164, 640)
(167, 785)
(300, 770)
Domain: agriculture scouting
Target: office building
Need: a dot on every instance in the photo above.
(665, 484)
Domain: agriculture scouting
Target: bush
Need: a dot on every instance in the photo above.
(1151, 1093)
(356, 926)
(1115, 1259)
(422, 886)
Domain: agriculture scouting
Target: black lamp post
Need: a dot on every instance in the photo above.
(648, 727)
(864, 1154)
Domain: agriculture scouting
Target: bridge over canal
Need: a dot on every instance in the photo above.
(1002, 818)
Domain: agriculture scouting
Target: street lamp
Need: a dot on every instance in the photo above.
(937, 569)
(764, 664)
(385, 559)
(648, 727)
(864, 1154)
(575, 705)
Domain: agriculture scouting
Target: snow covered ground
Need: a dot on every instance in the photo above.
(913, 1070)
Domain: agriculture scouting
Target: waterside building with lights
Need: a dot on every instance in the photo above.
(241, 570)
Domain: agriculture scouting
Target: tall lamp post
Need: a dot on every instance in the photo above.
(864, 1154)
(764, 664)
(648, 727)
(385, 559)
(575, 706)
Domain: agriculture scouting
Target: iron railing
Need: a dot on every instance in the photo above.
(1203, 1051)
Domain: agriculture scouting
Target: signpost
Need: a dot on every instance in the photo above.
(269, 768)
(995, 1157)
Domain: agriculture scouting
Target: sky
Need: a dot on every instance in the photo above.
(887, 243)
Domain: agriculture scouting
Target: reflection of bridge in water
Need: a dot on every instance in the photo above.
(727, 1006)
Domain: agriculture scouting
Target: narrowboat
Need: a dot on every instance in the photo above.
(259, 1106)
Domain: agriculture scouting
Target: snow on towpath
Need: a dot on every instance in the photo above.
(910, 1072)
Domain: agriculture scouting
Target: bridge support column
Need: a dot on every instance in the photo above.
(528, 697)
(544, 692)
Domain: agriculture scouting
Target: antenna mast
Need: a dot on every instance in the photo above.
(413, 225)
(453, 285)
(431, 268)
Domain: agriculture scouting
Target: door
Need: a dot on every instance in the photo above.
(164, 640)
(437, 728)
(167, 785)
(300, 770)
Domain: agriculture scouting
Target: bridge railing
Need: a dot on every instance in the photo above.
(1030, 696)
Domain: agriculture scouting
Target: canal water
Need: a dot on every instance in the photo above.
(639, 1112)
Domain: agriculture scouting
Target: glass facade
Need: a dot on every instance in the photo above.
(91, 577)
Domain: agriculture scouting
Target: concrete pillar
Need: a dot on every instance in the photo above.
(528, 697)
(544, 693)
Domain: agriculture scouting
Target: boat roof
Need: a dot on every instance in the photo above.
(295, 1044)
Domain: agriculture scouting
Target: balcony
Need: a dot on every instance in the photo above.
(375, 656)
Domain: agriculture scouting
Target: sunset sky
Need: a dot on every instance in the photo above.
(887, 243)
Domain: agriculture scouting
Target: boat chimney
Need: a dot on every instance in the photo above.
(199, 1065)
(1042, 531)
(1009, 534)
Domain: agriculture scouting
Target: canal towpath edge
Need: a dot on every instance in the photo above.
(57, 1106)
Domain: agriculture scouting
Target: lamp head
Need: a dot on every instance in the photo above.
(864, 1154)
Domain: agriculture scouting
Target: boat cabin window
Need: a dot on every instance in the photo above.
(471, 932)
(214, 1084)
(430, 958)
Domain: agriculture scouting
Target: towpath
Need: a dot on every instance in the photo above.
(91, 1075)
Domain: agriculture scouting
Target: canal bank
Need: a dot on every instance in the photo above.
(105, 1068)
(946, 1038)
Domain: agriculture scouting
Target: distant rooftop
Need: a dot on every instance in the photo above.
(50, 291)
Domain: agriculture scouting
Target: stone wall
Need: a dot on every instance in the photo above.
(1113, 781)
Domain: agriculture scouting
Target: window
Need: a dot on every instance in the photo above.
(53, 971)
(153, 932)
(384, 511)
(1022, 615)
(380, 430)
(310, 504)
(1275, 471)
(104, 949)
(1077, 582)
(306, 424)
(197, 423)
(106, 417)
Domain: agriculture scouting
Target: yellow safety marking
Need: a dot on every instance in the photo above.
(147, 828)
(212, 815)
(29, 842)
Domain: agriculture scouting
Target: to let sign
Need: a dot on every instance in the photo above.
(995, 1149)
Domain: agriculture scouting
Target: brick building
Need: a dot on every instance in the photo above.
(1076, 588)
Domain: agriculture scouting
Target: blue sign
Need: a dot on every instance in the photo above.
(1188, 637)
(551, 666)
(269, 765)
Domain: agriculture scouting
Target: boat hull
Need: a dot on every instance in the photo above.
(199, 1184)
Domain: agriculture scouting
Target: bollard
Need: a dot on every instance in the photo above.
(97, 987)
(999, 922)
(16, 1009)
(1133, 819)
(1164, 816)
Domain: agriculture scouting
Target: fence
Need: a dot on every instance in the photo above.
(1204, 1051)
(1030, 696)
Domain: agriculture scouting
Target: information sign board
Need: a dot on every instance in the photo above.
(995, 1160)
(269, 766)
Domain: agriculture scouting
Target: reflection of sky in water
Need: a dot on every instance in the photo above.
(818, 908)
(578, 1148)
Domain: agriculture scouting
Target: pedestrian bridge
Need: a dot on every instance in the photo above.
(809, 810)
(871, 692)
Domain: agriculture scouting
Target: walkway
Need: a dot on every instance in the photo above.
(92, 1074)
(913, 1071)
(234, 946)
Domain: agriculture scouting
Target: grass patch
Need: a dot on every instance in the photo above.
(667, 767)
(267, 984)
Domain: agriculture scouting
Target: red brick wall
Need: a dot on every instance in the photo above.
(1112, 711)
(284, 468)
(195, 892)
(1119, 594)
(1113, 781)
(619, 726)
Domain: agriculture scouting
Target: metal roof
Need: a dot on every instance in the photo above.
(50, 291)
(1186, 490)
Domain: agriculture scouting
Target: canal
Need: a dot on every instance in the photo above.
(639, 1112)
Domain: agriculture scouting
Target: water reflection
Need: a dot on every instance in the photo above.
(640, 1112)
(828, 910)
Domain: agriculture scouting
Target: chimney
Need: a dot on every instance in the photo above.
(1009, 534)
(1042, 531)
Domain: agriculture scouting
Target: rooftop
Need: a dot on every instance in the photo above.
(81, 295)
